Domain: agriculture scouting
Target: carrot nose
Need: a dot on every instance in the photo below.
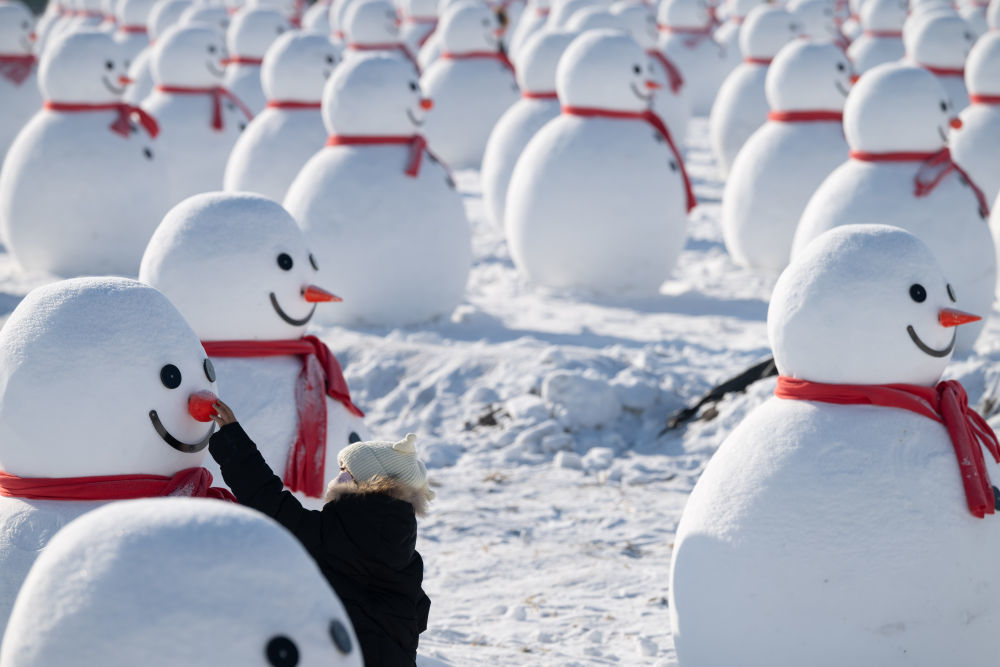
(125, 81)
(855, 77)
(498, 32)
(201, 405)
(956, 123)
(653, 85)
(426, 104)
(314, 294)
(949, 317)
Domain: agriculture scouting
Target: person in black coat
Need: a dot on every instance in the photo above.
(364, 538)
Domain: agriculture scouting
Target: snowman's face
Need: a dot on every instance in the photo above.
(808, 75)
(172, 379)
(87, 66)
(491, 31)
(254, 30)
(190, 56)
(605, 69)
(216, 16)
(844, 76)
(296, 67)
(391, 23)
(16, 25)
(640, 80)
(415, 112)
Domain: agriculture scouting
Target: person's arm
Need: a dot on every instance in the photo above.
(254, 483)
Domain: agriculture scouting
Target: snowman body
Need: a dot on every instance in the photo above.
(740, 108)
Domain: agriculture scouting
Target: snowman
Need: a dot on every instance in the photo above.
(199, 118)
(287, 387)
(976, 146)
(99, 224)
(538, 105)
(131, 31)
(472, 85)
(901, 173)
(18, 72)
(68, 352)
(686, 29)
(533, 19)
(419, 22)
(817, 20)
(373, 26)
(784, 161)
(282, 138)
(810, 537)
(728, 34)
(247, 38)
(741, 104)
(882, 38)
(374, 197)
(605, 174)
(113, 586)
(940, 45)
(164, 14)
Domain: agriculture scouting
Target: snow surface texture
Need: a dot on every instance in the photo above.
(117, 578)
(549, 542)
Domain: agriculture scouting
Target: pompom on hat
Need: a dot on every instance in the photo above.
(396, 460)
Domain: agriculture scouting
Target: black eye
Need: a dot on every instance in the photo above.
(944, 106)
(414, 87)
(951, 294)
(170, 376)
(212, 49)
(353, 438)
(918, 293)
(109, 64)
(25, 25)
(841, 67)
(329, 60)
(209, 370)
(285, 261)
(636, 69)
(340, 636)
(312, 260)
(282, 652)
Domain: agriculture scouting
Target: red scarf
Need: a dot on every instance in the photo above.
(944, 71)
(946, 403)
(192, 483)
(697, 35)
(546, 95)
(321, 376)
(15, 67)
(674, 77)
(757, 61)
(416, 142)
(293, 104)
(935, 167)
(243, 60)
(133, 29)
(388, 46)
(984, 99)
(896, 34)
(217, 93)
(805, 116)
(432, 21)
(121, 125)
(499, 56)
(652, 119)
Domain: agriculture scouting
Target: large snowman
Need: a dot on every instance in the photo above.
(839, 524)
(287, 388)
(81, 187)
(900, 172)
(101, 380)
(380, 210)
(162, 583)
(598, 199)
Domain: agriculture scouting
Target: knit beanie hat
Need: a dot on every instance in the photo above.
(398, 460)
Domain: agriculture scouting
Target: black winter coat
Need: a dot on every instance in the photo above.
(364, 541)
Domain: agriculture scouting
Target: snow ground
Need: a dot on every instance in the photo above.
(539, 416)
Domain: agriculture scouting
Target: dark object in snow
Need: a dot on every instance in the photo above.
(757, 372)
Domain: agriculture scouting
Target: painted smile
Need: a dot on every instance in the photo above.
(291, 320)
(215, 71)
(944, 135)
(840, 87)
(644, 98)
(174, 442)
(926, 348)
(114, 89)
(413, 119)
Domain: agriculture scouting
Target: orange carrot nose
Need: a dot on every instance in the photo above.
(949, 317)
(201, 405)
(426, 104)
(125, 81)
(314, 294)
(956, 123)
(652, 85)
(498, 32)
(855, 77)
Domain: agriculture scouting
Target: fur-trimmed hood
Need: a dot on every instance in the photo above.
(381, 485)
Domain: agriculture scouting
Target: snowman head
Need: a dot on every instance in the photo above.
(236, 265)
(215, 15)
(864, 304)
(133, 12)
(942, 41)
(685, 13)
(164, 14)
(594, 18)
(639, 19)
(605, 69)
(884, 14)
(189, 56)
(425, 9)
(253, 30)
(816, 18)
(207, 562)
(297, 66)
(96, 376)
(470, 26)
(920, 14)
(85, 66)
(982, 69)
(897, 108)
(538, 59)
(740, 8)
(809, 76)
(371, 22)
(563, 11)
(374, 94)
(767, 28)
(16, 26)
